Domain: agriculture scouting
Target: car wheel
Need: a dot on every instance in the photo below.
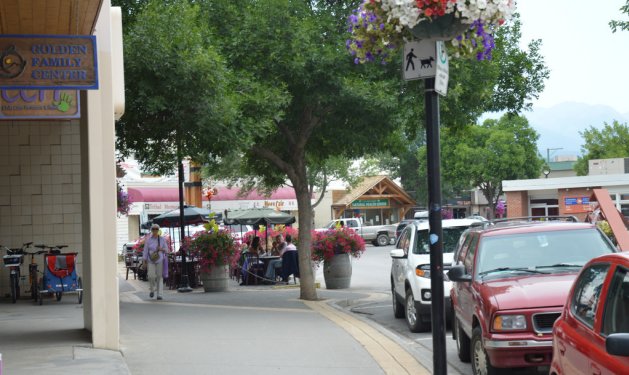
(413, 320)
(382, 240)
(480, 360)
(462, 341)
(398, 308)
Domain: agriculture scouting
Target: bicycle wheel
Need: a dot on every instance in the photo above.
(80, 287)
(34, 286)
(14, 292)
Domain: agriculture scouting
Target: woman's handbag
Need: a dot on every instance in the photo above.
(154, 256)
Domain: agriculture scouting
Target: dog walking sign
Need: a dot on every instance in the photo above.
(419, 60)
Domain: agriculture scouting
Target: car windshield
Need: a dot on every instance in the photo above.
(451, 237)
(550, 251)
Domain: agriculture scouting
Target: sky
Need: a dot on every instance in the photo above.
(588, 63)
(589, 70)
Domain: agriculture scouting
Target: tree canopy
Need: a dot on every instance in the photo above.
(484, 155)
(178, 89)
(621, 24)
(612, 141)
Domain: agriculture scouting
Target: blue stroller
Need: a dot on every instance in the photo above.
(60, 277)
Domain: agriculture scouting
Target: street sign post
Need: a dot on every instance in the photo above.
(427, 59)
(443, 69)
(419, 60)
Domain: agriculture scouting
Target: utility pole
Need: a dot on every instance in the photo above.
(548, 150)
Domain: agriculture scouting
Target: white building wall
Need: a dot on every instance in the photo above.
(40, 187)
(323, 211)
(122, 232)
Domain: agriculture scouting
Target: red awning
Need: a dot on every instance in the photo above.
(171, 194)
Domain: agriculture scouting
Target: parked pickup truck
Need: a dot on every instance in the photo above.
(379, 235)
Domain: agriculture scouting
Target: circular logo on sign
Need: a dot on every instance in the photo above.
(12, 64)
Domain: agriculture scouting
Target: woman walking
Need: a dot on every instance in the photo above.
(154, 255)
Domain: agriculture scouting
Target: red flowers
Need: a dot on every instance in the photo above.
(432, 8)
(336, 241)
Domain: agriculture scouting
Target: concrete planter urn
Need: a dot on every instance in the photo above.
(216, 279)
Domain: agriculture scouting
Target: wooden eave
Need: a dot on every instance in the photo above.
(376, 187)
(48, 17)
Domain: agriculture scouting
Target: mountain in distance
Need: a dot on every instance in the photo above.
(559, 126)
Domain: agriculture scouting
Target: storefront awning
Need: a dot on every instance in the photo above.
(171, 194)
(50, 17)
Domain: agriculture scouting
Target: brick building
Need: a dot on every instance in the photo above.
(564, 195)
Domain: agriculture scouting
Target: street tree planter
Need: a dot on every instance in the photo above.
(337, 272)
(216, 279)
(334, 247)
(216, 250)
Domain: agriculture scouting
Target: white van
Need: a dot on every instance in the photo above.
(410, 270)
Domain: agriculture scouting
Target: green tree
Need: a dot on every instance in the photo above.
(179, 99)
(316, 104)
(484, 155)
(621, 24)
(612, 141)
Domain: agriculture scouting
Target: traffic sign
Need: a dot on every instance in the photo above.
(443, 70)
(419, 60)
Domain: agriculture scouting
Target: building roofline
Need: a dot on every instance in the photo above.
(566, 182)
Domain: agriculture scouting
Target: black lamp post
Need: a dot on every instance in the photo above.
(184, 285)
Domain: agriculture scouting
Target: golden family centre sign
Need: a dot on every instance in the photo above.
(48, 62)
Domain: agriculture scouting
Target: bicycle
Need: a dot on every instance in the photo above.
(13, 260)
(33, 270)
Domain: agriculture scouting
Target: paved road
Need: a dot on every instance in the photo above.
(372, 273)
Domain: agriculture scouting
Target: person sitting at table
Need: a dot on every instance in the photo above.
(278, 250)
(290, 263)
(250, 267)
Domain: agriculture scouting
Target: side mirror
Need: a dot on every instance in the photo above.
(618, 344)
(398, 253)
(457, 273)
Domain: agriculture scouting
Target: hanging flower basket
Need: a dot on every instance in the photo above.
(380, 27)
(446, 27)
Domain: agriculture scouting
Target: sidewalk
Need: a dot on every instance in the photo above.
(248, 329)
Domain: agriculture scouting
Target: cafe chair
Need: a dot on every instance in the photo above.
(290, 265)
(253, 269)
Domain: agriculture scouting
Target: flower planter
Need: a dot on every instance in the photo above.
(446, 27)
(337, 272)
(216, 279)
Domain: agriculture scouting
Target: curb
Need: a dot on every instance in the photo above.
(390, 356)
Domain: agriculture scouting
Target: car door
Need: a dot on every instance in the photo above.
(465, 289)
(577, 339)
(614, 319)
(400, 264)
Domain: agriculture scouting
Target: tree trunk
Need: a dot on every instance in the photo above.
(307, 278)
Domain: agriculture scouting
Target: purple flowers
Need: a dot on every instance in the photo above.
(371, 34)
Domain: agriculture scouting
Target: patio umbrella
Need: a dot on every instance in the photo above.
(257, 216)
(191, 215)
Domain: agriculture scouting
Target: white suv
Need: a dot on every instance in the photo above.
(410, 270)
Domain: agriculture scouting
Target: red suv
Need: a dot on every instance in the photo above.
(592, 334)
(511, 280)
